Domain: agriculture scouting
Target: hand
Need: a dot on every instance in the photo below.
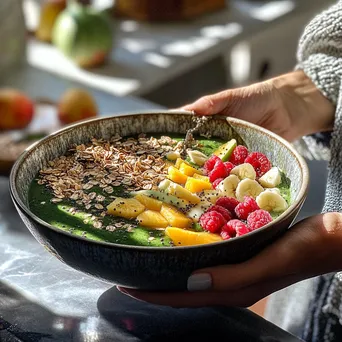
(289, 105)
(309, 248)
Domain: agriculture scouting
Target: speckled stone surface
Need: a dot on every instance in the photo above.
(146, 267)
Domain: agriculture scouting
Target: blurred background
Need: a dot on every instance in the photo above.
(66, 60)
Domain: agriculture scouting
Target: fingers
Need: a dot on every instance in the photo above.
(243, 297)
(220, 103)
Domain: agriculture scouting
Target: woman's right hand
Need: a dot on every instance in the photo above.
(289, 105)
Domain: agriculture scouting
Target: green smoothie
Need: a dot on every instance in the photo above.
(92, 222)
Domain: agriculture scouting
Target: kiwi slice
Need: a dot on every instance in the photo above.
(224, 151)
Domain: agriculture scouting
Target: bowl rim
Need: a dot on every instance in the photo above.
(297, 203)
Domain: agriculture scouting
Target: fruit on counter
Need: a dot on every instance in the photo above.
(128, 208)
(50, 10)
(16, 109)
(83, 34)
(182, 237)
(224, 151)
(75, 105)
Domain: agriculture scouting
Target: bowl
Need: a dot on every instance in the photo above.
(149, 268)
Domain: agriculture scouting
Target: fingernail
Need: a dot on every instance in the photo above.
(199, 282)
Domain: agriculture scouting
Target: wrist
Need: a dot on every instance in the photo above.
(309, 109)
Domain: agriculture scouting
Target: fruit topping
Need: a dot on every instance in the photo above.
(244, 171)
(260, 163)
(223, 211)
(228, 202)
(212, 221)
(210, 163)
(219, 171)
(224, 151)
(243, 209)
(270, 200)
(182, 237)
(128, 208)
(248, 187)
(258, 219)
(239, 155)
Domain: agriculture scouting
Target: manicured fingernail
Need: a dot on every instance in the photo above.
(199, 282)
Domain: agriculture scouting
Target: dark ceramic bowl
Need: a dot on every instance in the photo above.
(147, 267)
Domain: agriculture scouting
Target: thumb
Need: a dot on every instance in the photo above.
(225, 102)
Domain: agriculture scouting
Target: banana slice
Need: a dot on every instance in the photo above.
(228, 186)
(243, 171)
(173, 155)
(271, 178)
(163, 185)
(197, 157)
(198, 210)
(270, 200)
(248, 187)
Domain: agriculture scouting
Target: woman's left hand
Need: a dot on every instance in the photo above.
(310, 248)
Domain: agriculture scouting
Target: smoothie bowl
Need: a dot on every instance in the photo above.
(135, 201)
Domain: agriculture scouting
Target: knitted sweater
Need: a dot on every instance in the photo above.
(320, 57)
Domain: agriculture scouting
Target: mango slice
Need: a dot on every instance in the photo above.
(181, 237)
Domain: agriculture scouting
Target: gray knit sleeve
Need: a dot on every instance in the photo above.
(320, 57)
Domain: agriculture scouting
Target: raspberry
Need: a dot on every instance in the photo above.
(228, 202)
(235, 228)
(243, 209)
(225, 235)
(229, 228)
(260, 163)
(217, 182)
(242, 229)
(258, 219)
(239, 155)
(219, 171)
(210, 163)
(223, 211)
(212, 221)
(229, 166)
